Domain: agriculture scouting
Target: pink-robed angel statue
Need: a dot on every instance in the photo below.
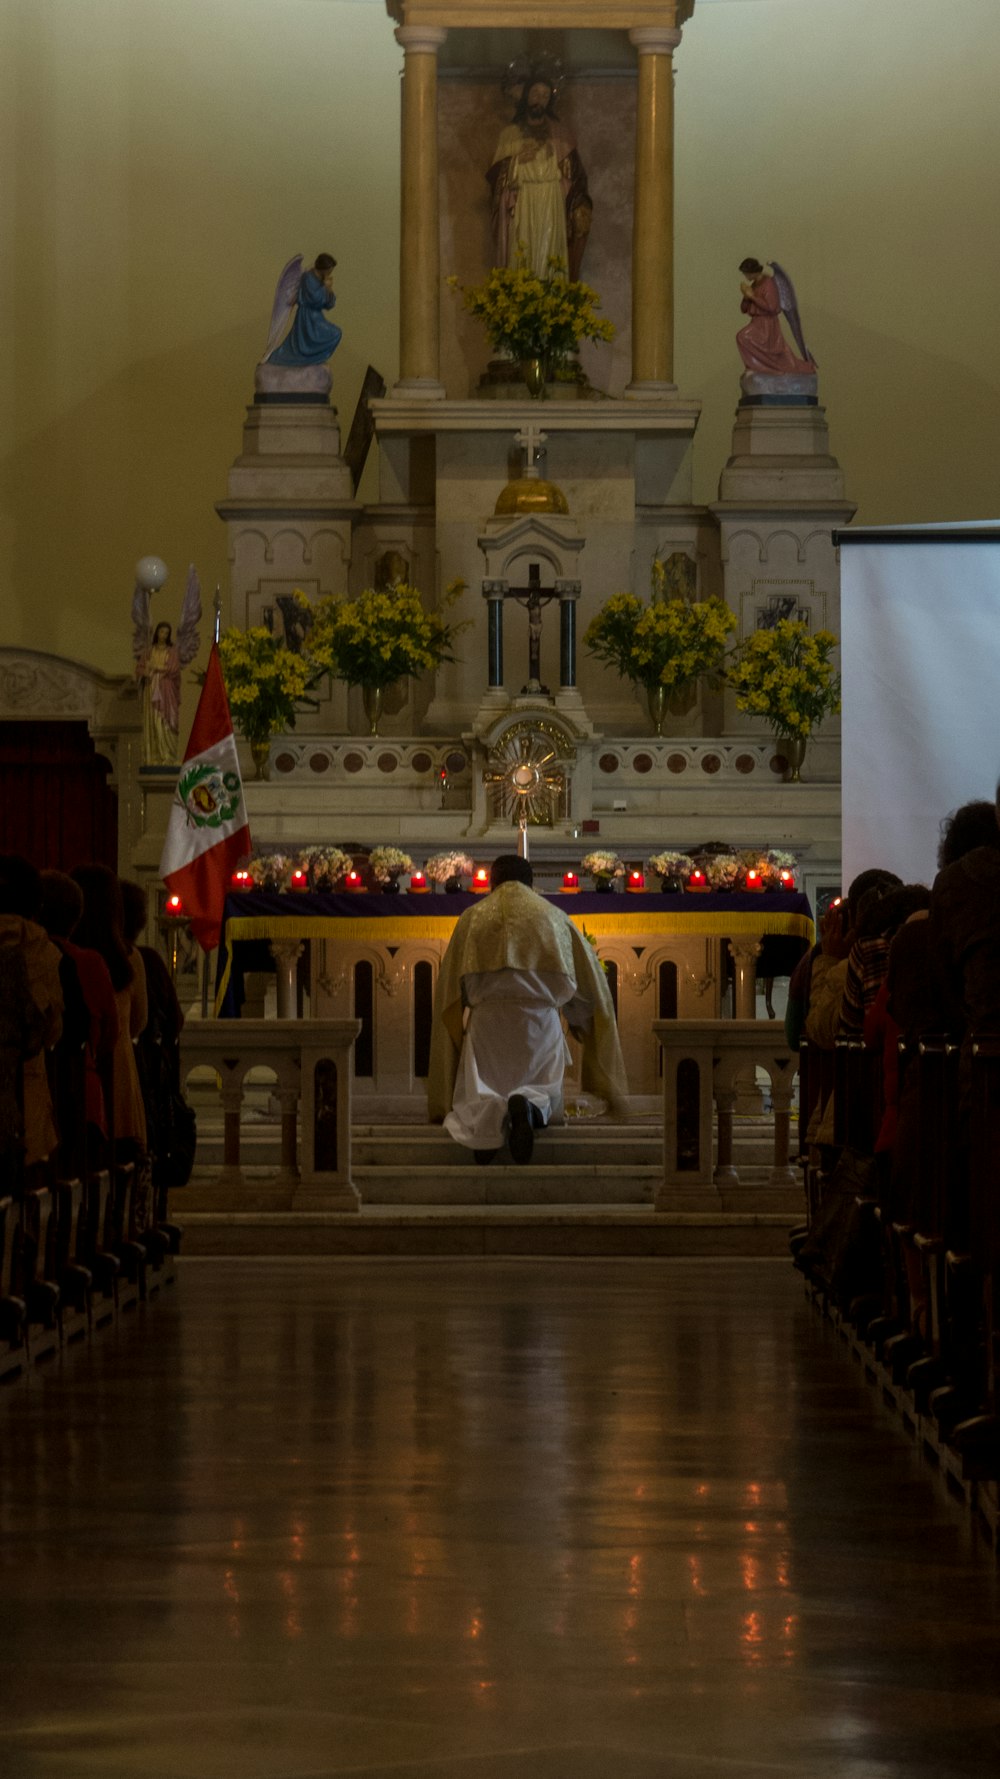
(158, 663)
(762, 345)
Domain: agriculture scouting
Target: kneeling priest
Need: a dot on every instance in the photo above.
(515, 967)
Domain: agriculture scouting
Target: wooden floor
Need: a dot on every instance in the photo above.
(510, 1519)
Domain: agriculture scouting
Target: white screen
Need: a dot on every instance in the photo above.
(920, 650)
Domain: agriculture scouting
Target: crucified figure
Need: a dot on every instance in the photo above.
(533, 599)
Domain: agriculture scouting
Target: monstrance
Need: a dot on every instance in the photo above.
(525, 771)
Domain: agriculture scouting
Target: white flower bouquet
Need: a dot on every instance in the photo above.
(671, 864)
(602, 864)
(721, 870)
(443, 865)
(388, 862)
(269, 870)
(326, 866)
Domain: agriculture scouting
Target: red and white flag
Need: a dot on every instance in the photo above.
(208, 832)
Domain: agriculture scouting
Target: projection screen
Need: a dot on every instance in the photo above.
(920, 650)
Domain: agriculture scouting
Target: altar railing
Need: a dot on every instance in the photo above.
(311, 1062)
(706, 1063)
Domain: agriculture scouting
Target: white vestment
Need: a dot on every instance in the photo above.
(514, 1042)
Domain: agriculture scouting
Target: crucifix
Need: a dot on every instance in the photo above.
(533, 599)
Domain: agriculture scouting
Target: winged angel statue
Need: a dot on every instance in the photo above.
(762, 345)
(311, 339)
(158, 663)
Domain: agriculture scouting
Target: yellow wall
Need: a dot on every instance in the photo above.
(162, 158)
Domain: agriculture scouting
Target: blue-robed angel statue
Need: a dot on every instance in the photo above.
(311, 339)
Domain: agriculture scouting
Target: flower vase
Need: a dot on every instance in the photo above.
(371, 699)
(390, 887)
(533, 372)
(603, 886)
(259, 754)
(794, 749)
(670, 886)
(658, 697)
(453, 886)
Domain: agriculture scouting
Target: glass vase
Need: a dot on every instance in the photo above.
(658, 699)
(533, 371)
(371, 700)
(260, 753)
(794, 749)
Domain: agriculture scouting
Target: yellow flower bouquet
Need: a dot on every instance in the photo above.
(786, 676)
(265, 682)
(532, 317)
(381, 636)
(669, 642)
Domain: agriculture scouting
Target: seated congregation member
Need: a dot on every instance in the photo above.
(20, 895)
(965, 923)
(517, 966)
(165, 1016)
(169, 1124)
(918, 1000)
(101, 929)
(22, 1036)
(879, 920)
(87, 986)
(838, 934)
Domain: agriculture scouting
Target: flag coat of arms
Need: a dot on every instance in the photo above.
(208, 832)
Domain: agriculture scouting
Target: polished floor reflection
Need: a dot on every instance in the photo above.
(483, 1520)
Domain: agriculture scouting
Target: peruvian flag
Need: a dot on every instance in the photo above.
(207, 833)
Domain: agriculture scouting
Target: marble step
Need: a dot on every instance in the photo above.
(580, 1144)
(504, 1184)
(550, 1231)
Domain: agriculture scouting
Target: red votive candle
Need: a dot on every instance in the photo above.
(173, 908)
(241, 880)
(354, 881)
(636, 881)
(480, 880)
(299, 880)
(788, 880)
(571, 883)
(418, 884)
(696, 881)
(753, 881)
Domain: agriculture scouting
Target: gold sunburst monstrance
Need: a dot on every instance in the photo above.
(525, 771)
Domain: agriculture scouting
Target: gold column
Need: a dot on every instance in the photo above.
(419, 244)
(653, 215)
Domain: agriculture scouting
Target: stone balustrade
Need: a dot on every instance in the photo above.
(706, 1063)
(312, 1062)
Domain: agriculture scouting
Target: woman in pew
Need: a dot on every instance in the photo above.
(101, 929)
(158, 1050)
(20, 894)
(60, 914)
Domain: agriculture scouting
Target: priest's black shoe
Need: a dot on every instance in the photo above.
(520, 1129)
(485, 1156)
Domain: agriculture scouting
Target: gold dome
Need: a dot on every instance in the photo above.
(529, 494)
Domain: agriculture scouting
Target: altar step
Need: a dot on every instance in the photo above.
(546, 1231)
(600, 1165)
